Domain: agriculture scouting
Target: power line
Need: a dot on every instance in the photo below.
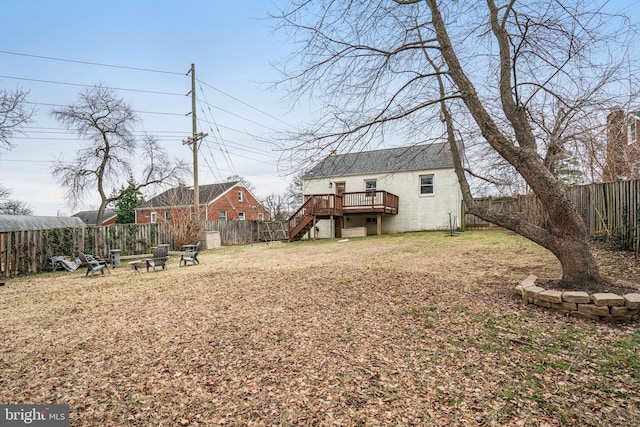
(85, 85)
(50, 58)
(137, 111)
(245, 103)
(237, 115)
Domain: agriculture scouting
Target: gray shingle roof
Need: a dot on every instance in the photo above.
(183, 195)
(27, 222)
(90, 217)
(417, 157)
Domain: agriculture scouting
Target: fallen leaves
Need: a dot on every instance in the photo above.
(317, 334)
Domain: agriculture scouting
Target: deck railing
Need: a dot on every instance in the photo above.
(370, 201)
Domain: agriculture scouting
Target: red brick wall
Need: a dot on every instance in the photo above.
(228, 202)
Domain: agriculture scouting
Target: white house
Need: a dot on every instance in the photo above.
(383, 191)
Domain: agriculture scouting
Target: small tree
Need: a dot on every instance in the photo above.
(128, 199)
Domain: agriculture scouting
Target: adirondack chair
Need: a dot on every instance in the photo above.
(160, 257)
(58, 261)
(190, 255)
(92, 264)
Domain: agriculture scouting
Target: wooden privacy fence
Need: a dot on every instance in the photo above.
(610, 211)
(24, 252)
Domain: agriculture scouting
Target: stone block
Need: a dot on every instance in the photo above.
(571, 306)
(576, 297)
(557, 306)
(550, 296)
(585, 316)
(529, 282)
(608, 299)
(619, 311)
(533, 291)
(520, 290)
(541, 303)
(592, 310)
(632, 301)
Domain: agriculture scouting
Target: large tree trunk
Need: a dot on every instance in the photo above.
(566, 237)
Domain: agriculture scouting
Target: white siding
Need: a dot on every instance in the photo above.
(416, 212)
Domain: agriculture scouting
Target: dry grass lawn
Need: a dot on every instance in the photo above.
(416, 329)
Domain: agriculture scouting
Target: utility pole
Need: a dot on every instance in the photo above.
(195, 137)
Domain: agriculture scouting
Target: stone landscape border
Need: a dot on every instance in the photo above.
(599, 306)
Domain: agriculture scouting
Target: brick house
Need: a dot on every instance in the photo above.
(225, 201)
(623, 146)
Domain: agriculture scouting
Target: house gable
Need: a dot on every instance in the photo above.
(176, 204)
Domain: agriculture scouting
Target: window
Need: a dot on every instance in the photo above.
(260, 216)
(223, 215)
(426, 184)
(632, 131)
(153, 217)
(370, 185)
(167, 215)
(241, 216)
(239, 196)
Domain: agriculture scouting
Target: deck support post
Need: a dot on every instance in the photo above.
(379, 224)
(333, 227)
(315, 233)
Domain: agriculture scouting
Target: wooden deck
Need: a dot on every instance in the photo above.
(322, 206)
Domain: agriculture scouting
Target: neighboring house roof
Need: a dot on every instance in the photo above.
(183, 195)
(417, 157)
(91, 217)
(28, 222)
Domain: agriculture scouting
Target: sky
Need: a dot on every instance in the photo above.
(144, 49)
(45, 48)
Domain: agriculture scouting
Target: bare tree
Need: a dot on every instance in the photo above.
(106, 123)
(14, 207)
(13, 114)
(235, 177)
(506, 78)
(276, 205)
(175, 208)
